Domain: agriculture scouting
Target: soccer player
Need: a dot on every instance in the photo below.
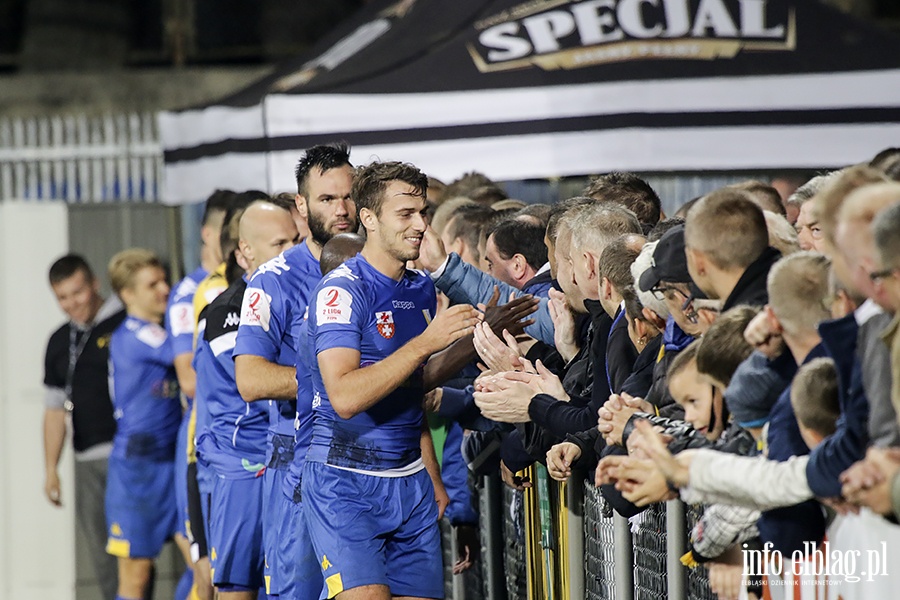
(368, 500)
(180, 326)
(140, 503)
(234, 444)
(76, 381)
(274, 306)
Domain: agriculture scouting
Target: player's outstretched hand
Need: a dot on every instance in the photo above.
(509, 316)
(450, 325)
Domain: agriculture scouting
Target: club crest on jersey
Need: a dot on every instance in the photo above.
(333, 306)
(256, 311)
(384, 321)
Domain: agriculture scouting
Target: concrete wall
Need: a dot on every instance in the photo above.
(37, 548)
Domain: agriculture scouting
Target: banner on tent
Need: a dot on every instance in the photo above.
(571, 34)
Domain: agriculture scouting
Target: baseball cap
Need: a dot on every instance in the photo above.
(668, 262)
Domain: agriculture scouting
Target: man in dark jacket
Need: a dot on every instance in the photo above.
(727, 248)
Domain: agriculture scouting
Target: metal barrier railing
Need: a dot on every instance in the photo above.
(565, 541)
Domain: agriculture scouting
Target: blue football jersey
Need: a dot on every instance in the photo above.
(304, 418)
(234, 442)
(273, 307)
(180, 312)
(144, 391)
(358, 307)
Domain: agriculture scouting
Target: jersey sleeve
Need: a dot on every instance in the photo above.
(340, 310)
(154, 343)
(180, 325)
(264, 319)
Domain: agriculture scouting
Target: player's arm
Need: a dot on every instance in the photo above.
(184, 371)
(429, 459)
(259, 379)
(353, 389)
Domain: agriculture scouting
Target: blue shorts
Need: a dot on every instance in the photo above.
(303, 577)
(273, 522)
(181, 465)
(235, 528)
(370, 530)
(140, 506)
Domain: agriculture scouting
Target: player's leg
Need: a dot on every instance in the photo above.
(134, 577)
(236, 548)
(305, 576)
(349, 516)
(203, 588)
(413, 553)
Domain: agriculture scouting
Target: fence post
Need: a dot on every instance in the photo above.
(624, 550)
(574, 502)
(491, 499)
(675, 544)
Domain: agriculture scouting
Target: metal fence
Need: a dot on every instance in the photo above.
(81, 159)
(622, 559)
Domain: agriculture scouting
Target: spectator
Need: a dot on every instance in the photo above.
(727, 248)
(516, 255)
(630, 191)
(76, 385)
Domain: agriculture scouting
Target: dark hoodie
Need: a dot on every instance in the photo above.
(751, 287)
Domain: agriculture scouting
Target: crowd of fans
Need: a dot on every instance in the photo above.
(742, 354)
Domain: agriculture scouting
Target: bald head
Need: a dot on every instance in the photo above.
(266, 230)
(339, 249)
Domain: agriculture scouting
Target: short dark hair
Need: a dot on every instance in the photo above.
(370, 182)
(218, 202)
(541, 212)
(284, 200)
(723, 347)
(662, 227)
(339, 249)
(467, 184)
(634, 310)
(630, 191)
(469, 223)
(68, 265)
(615, 263)
(763, 195)
(488, 194)
(682, 359)
(815, 396)
(520, 237)
(228, 238)
(728, 227)
(324, 158)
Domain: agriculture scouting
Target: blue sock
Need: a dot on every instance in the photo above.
(118, 597)
(183, 589)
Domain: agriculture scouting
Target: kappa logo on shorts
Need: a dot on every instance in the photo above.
(384, 321)
(326, 564)
(232, 319)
